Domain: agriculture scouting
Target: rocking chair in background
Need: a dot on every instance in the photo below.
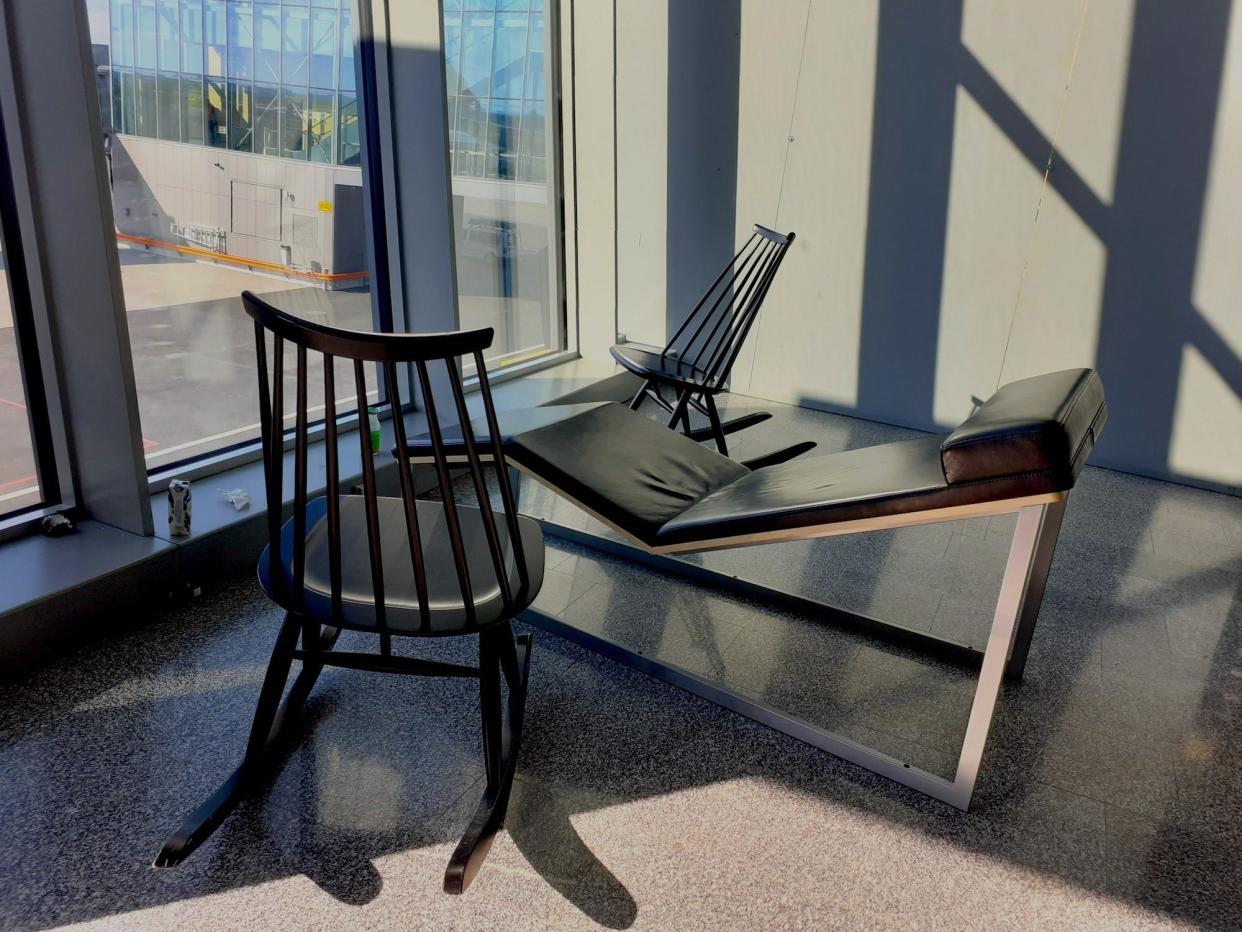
(696, 363)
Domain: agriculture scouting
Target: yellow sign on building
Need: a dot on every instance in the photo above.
(325, 206)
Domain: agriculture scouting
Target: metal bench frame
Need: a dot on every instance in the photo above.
(1013, 624)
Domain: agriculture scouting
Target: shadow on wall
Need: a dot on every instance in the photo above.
(1150, 232)
(704, 66)
(136, 208)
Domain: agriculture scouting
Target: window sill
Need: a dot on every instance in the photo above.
(54, 586)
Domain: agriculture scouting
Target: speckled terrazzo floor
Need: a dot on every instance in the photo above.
(1109, 796)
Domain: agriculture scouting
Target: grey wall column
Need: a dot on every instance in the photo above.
(408, 41)
(417, 103)
(78, 277)
(704, 37)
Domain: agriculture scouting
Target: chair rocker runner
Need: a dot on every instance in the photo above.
(392, 567)
(695, 364)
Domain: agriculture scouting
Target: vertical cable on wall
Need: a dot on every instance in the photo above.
(780, 191)
(1043, 188)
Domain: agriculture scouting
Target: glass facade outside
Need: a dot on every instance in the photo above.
(261, 76)
(494, 64)
(276, 77)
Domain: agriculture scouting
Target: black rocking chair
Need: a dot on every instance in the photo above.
(696, 363)
(388, 566)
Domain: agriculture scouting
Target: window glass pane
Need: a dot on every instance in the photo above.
(323, 49)
(267, 40)
(535, 89)
(266, 120)
(348, 130)
(240, 115)
(19, 481)
(192, 36)
(241, 39)
(329, 4)
(503, 121)
(122, 43)
(217, 108)
(145, 49)
(264, 195)
(468, 137)
(168, 87)
(294, 123)
(508, 269)
(476, 54)
(169, 35)
(145, 124)
(509, 55)
(296, 41)
(349, 79)
(192, 109)
(215, 34)
(452, 52)
(533, 155)
(123, 101)
(320, 125)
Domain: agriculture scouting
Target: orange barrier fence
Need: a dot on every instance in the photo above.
(242, 261)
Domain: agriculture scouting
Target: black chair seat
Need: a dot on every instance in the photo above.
(648, 362)
(444, 598)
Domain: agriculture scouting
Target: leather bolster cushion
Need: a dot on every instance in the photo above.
(1043, 426)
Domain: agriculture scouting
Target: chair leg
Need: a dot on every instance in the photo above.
(269, 717)
(717, 428)
(681, 412)
(637, 400)
(501, 741)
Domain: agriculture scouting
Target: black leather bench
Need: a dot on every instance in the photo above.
(1020, 452)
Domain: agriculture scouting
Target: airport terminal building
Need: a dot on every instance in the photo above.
(233, 132)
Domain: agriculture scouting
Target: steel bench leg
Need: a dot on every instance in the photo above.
(1037, 580)
(1023, 563)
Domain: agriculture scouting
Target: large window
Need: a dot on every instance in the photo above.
(201, 94)
(506, 203)
(228, 122)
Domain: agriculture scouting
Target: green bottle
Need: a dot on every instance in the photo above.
(374, 425)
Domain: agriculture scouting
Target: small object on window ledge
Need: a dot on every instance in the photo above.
(238, 498)
(373, 422)
(56, 526)
(179, 510)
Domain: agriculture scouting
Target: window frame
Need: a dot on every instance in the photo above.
(31, 331)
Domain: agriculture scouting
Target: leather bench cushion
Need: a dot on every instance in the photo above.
(873, 482)
(1045, 425)
(627, 468)
(511, 424)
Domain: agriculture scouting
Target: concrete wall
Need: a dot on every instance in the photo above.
(906, 145)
